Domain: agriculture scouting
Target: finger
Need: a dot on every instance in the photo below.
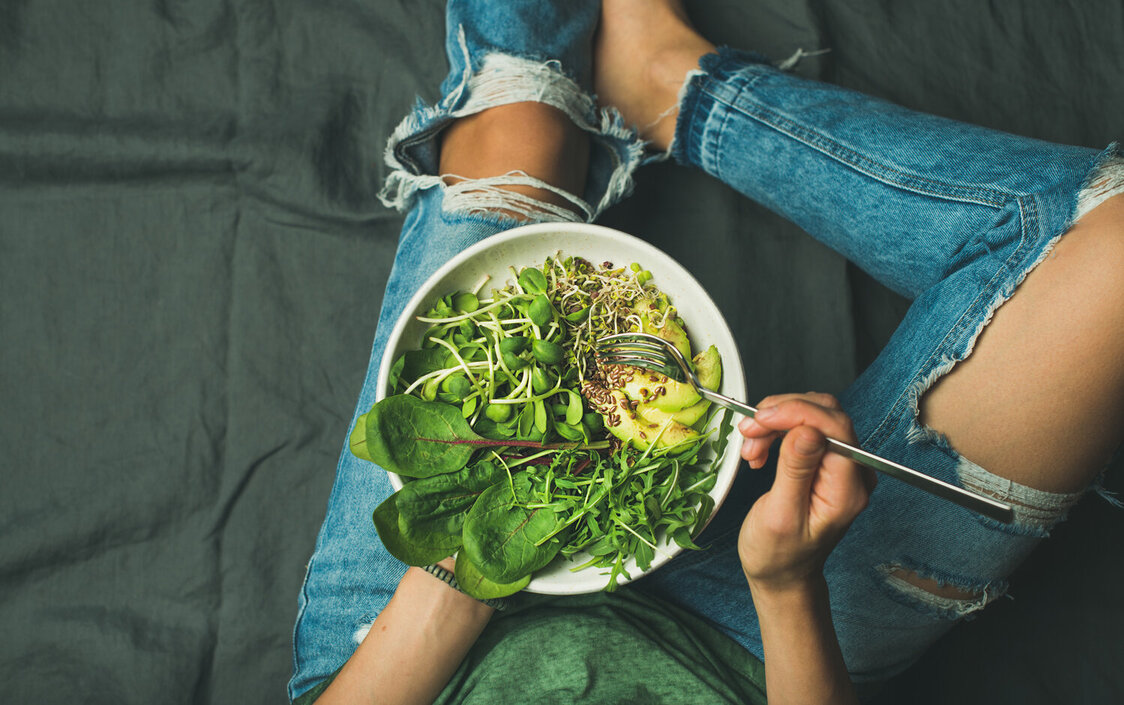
(801, 455)
(799, 412)
(749, 427)
(755, 451)
(819, 398)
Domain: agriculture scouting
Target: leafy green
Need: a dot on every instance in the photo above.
(432, 510)
(473, 582)
(501, 535)
(357, 440)
(386, 520)
(413, 438)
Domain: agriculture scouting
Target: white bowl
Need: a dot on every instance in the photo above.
(530, 245)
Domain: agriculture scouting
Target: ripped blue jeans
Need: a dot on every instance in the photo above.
(950, 215)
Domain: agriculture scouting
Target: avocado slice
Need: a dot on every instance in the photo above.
(708, 367)
(656, 390)
(688, 417)
(670, 331)
(627, 425)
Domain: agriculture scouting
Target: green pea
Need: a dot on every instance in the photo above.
(540, 311)
(498, 412)
(457, 385)
(547, 352)
(643, 277)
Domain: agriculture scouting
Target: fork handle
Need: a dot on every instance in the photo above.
(969, 500)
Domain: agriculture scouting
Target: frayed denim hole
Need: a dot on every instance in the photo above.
(1105, 180)
(1037, 512)
(894, 582)
(497, 220)
(497, 79)
(490, 198)
(362, 628)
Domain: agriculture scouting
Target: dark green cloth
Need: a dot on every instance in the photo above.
(599, 649)
(192, 259)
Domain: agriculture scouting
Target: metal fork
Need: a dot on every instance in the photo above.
(653, 353)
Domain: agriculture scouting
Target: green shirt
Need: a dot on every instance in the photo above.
(600, 648)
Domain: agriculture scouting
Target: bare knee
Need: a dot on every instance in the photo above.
(523, 160)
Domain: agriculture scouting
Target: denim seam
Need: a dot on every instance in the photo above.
(849, 157)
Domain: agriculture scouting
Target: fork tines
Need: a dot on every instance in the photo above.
(638, 350)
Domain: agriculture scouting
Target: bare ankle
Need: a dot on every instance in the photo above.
(644, 52)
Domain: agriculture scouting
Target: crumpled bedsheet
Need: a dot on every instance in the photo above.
(191, 265)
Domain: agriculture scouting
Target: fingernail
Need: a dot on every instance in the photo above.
(766, 412)
(746, 425)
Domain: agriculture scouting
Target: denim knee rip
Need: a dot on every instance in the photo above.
(502, 79)
(977, 594)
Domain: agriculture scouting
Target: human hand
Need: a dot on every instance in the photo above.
(791, 529)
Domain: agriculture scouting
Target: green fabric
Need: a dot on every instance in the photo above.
(600, 648)
(192, 260)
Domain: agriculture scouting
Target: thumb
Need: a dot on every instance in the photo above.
(801, 454)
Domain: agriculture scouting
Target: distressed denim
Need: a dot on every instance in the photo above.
(951, 215)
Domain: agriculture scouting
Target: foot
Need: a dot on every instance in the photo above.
(642, 54)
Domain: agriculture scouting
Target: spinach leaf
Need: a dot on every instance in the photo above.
(500, 533)
(386, 524)
(357, 441)
(415, 438)
(432, 510)
(473, 582)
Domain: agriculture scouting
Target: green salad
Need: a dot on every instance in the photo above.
(516, 445)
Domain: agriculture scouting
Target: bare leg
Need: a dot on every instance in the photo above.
(642, 52)
(530, 137)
